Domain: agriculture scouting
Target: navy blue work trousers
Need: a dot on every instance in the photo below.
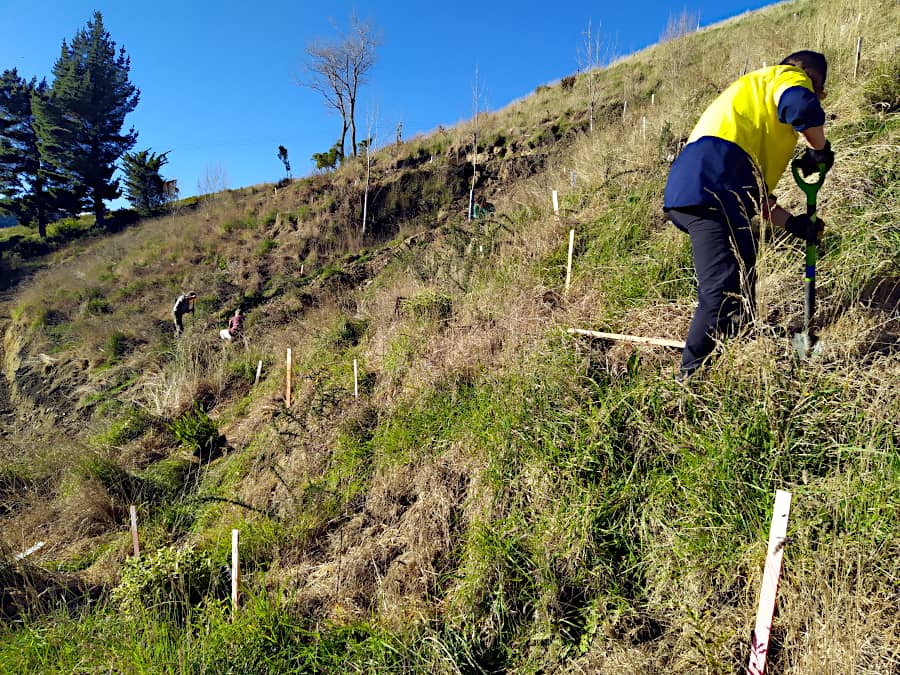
(725, 263)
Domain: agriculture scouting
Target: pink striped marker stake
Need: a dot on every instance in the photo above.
(759, 645)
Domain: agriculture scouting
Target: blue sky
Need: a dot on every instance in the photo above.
(218, 80)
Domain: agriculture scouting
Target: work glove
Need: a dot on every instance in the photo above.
(801, 225)
(808, 163)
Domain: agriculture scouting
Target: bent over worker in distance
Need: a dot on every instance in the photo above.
(235, 324)
(733, 159)
(184, 303)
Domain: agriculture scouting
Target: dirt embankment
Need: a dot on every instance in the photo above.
(36, 390)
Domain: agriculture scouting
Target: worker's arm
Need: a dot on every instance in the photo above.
(815, 137)
(797, 225)
(779, 215)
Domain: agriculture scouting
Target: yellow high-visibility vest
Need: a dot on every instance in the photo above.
(747, 115)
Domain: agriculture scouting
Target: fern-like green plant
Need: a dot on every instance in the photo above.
(196, 430)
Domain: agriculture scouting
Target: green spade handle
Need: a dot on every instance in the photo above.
(811, 189)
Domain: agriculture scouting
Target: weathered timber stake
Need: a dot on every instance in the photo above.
(287, 380)
(235, 574)
(33, 549)
(134, 530)
(658, 342)
(759, 645)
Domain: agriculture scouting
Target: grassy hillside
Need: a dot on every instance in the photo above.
(499, 496)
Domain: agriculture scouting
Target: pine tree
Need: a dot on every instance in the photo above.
(92, 94)
(145, 188)
(283, 156)
(18, 145)
(30, 189)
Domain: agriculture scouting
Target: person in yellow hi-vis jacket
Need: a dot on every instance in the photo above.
(732, 161)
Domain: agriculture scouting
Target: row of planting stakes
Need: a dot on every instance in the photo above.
(235, 558)
(759, 645)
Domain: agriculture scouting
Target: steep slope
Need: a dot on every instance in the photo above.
(499, 496)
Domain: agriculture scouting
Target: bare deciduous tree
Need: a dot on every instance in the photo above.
(476, 106)
(677, 26)
(588, 62)
(369, 143)
(338, 68)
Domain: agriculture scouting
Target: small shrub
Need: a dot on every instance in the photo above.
(167, 477)
(245, 367)
(132, 424)
(270, 217)
(239, 223)
(66, 229)
(96, 306)
(430, 305)
(567, 82)
(115, 346)
(539, 139)
(196, 430)
(265, 246)
(118, 483)
(349, 332)
(169, 579)
(882, 90)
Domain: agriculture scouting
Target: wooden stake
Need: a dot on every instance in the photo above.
(355, 380)
(32, 549)
(287, 380)
(652, 99)
(759, 645)
(235, 573)
(134, 531)
(569, 263)
(643, 128)
(658, 342)
(858, 53)
(258, 372)
(555, 203)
